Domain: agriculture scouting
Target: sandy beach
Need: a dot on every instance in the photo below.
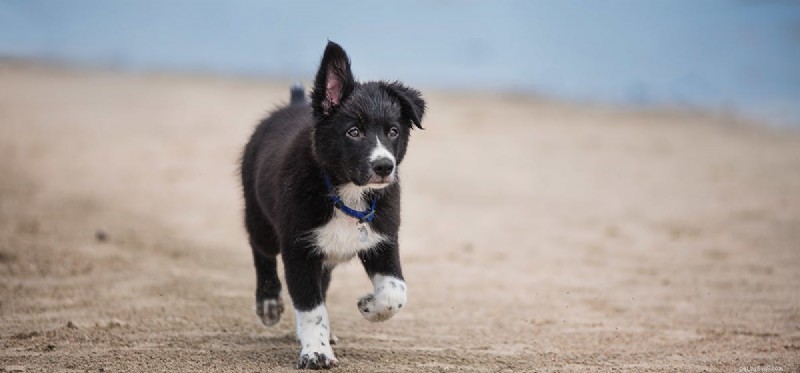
(537, 235)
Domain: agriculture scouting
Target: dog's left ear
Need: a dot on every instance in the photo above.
(334, 81)
(411, 102)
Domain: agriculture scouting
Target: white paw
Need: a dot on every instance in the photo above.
(269, 311)
(313, 330)
(317, 358)
(388, 299)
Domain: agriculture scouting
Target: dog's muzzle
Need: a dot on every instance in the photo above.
(383, 169)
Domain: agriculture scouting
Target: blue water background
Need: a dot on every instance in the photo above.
(740, 57)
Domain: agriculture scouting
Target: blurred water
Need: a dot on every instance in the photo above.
(731, 56)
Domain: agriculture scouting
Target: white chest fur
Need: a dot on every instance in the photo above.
(339, 239)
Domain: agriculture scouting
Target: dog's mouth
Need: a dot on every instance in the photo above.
(376, 181)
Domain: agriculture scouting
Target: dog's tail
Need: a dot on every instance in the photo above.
(298, 95)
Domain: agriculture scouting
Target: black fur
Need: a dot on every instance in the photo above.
(282, 175)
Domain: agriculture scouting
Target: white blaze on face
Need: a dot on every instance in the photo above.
(388, 298)
(313, 330)
(380, 151)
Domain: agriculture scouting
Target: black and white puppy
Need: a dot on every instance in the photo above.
(320, 188)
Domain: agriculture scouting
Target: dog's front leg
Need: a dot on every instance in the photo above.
(389, 295)
(303, 278)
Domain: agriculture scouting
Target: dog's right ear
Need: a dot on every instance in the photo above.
(334, 81)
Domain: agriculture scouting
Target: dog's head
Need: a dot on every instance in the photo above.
(362, 129)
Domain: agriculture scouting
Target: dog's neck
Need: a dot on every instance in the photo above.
(352, 194)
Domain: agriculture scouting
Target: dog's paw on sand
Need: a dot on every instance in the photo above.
(269, 311)
(316, 360)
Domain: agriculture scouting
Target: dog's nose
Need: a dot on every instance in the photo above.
(383, 167)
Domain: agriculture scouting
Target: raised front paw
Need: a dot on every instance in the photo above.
(269, 311)
(316, 360)
(389, 298)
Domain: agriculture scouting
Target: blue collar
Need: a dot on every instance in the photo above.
(362, 216)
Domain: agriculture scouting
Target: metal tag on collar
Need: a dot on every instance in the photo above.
(362, 231)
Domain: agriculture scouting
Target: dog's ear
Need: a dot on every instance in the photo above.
(334, 81)
(411, 102)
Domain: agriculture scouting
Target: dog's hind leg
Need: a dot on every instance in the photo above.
(269, 305)
(264, 243)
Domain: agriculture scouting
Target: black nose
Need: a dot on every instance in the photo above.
(383, 167)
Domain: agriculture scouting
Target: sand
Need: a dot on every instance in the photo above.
(537, 235)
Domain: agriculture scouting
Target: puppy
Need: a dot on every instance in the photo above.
(321, 187)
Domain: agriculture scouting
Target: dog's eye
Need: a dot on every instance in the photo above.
(354, 132)
(393, 132)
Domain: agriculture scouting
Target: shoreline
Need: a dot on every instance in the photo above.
(732, 116)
